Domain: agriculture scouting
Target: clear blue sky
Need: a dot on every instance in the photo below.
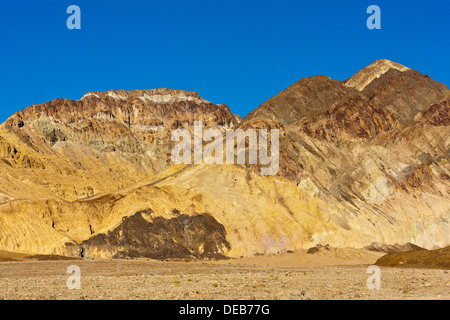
(238, 52)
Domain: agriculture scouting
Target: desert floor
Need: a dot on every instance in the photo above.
(341, 274)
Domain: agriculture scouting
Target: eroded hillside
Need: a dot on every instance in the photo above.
(361, 161)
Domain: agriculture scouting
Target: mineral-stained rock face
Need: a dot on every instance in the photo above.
(107, 140)
(377, 141)
(437, 114)
(349, 120)
(361, 161)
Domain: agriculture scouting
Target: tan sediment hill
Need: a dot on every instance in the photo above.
(300, 258)
(11, 256)
(8, 256)
(389, 248)
(357, 165)
(439, 258)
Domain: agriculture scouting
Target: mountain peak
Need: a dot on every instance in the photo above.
(366, 75)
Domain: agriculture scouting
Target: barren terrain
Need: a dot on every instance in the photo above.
(289, 276)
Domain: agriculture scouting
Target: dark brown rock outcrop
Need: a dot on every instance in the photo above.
(141, 235)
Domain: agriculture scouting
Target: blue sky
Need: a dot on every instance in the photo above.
(237, 52)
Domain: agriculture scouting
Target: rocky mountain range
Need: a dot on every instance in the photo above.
(362, 161)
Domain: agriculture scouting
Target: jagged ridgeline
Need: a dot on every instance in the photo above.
(361, 161)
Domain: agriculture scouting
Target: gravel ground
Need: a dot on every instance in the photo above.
(142, 279)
